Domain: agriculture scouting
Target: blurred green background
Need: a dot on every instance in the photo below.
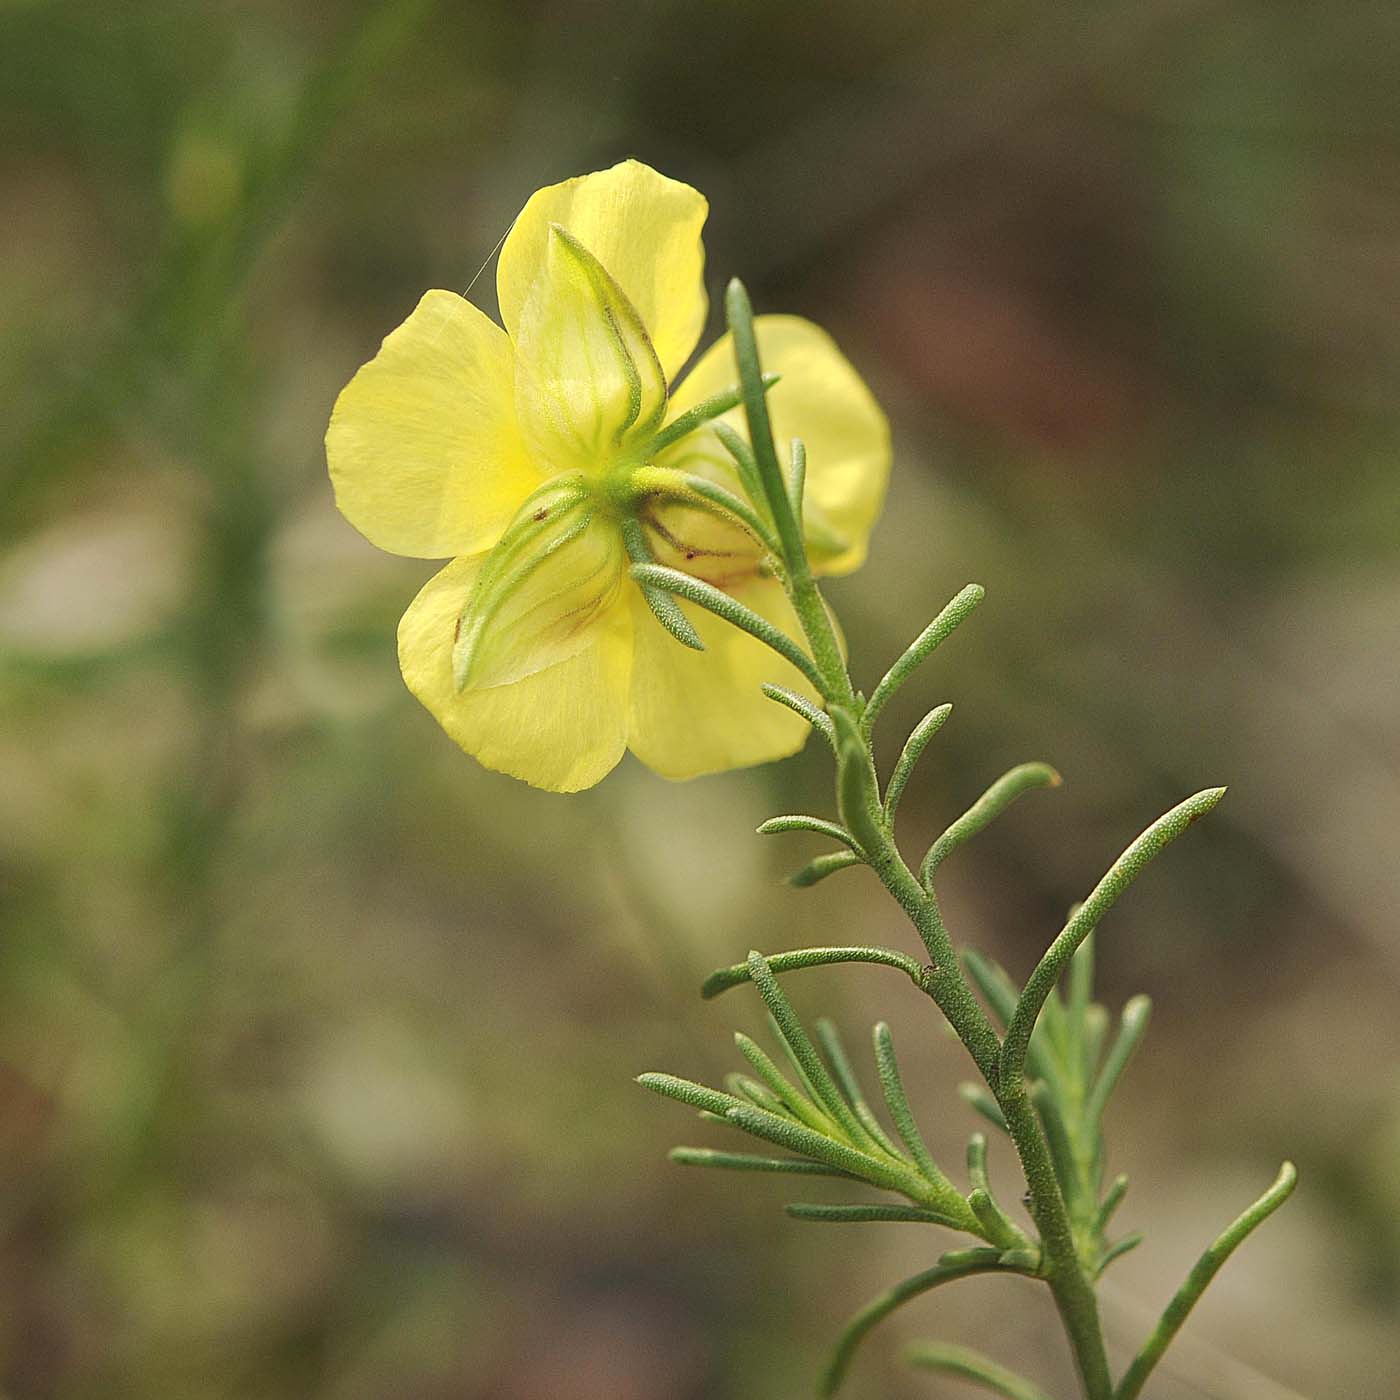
(316, 1040)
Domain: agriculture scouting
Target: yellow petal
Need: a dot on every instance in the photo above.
(539, 593)
(702, 712)
(423, 448)
(642, 227)
(823, 401)
(562, 728)
(587, 379)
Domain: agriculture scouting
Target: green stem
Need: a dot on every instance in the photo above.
(1070, 1287)
(863, 812)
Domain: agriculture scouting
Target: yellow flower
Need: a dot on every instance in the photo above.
(531, 455)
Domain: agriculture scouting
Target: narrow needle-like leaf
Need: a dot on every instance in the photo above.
(977, 1162)
(727, 977)
(980, 1261)
(914, 747)
(817, 869)
(998, 1227)
(715, 600)
(790, 1097)
(1086, 918)
(805, 1053)
(742, 1087)
(663, 606)
(1206, 1268)
(797, 477)
(800, 704)
(1113, 1198)
(1117, 1251)
(985, 810)
(864, 1214)
(817, 825)
(748, 1162)
(984, 1103)
(702, 414)
(686, 1092)
(794, 1137)
(1136, 1014)
(1079, 1192)
(728, 502)
(949, 1197)
(744, 461)
(972, 1366)
(844, 1071)
(919, 649)
(991, 979)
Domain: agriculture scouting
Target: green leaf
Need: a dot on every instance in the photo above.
(1120, 875)
(922, 647)
(794, 1137)
(865, 1214)
(986, 810)
(914, 747)
(805, 1054)
(777, 825)
(795, 1102)
(984, 1103)
(857, 786)
(1117, 1251)
(953, 1266)
(715, 600)
(799, 704)
(1136, 1015)
(727, 977)
(816, 870)
(664, 607)
(703, 412)
(941, 1193)
(844, 1071)
(747, 1162)
(972, 1366)
(1197, 1281)
(686, 1092)
(797, 477)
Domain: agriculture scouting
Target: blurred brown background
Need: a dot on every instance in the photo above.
(316, 1041)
